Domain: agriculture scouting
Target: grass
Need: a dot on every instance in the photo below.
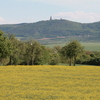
(49, 82)
(92, 46)
(87, 46)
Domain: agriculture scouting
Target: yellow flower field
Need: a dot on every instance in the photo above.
(49, 82)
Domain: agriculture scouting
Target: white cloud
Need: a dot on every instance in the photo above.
(59, 0)
(79, 16)
(1, 19)
(65, 2)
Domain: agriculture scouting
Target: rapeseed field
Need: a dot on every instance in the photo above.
(49, 82)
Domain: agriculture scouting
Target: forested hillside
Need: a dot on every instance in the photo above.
(55, 30)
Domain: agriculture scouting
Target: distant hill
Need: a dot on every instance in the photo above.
(60, 30)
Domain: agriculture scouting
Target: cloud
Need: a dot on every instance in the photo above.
(60, 0)
(1, 19)
(79, 16)
(65, 2)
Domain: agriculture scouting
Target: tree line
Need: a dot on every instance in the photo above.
(16, 52)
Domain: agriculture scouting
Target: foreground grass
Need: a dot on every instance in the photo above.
(49, 83)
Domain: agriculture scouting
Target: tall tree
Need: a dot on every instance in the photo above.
(43, 57)
(72, 50)
(4, 46)
(33, 50)
(14, 50)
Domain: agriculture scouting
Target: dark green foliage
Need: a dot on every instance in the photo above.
(90, 58)
(95, 61)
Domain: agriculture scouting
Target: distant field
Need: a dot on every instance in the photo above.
(87, 46)
(49, 82)
(92, 46)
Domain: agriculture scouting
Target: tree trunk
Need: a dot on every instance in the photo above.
(27, 62)
(70, 62)
(0, 61)
(32, 61)
(10, 62)
(74, 61)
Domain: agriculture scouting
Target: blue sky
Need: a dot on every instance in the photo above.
(28, 11)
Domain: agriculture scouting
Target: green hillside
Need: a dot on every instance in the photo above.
(55, 30)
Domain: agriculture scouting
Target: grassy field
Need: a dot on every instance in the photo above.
(87, 46)
(92, 46)
(49, 83)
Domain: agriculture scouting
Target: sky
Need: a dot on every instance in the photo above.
(30, 11)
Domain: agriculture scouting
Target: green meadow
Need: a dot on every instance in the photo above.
(87, 46)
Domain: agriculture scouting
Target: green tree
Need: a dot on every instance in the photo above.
(72, 50)
(43, 57)
(33, 52)
(27, 54)
(54, 56)
(14, 55)
(4, 46)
